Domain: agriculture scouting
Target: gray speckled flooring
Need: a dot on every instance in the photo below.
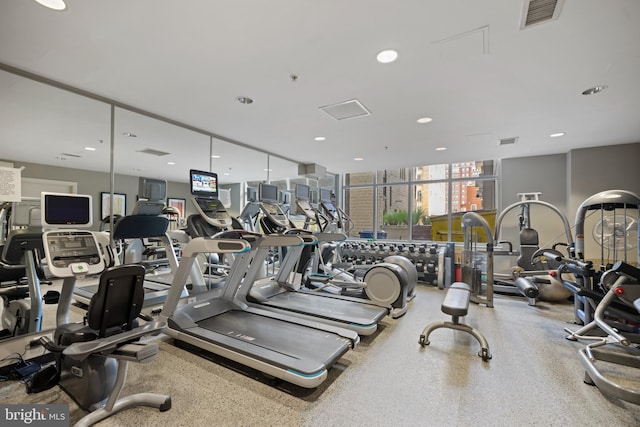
(534, 378)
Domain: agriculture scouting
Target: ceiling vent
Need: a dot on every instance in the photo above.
(346, 110)
(537, 11)
(154, 152)
(508, 141)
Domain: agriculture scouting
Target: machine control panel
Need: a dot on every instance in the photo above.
(213, 211)
(275, 214)
(72, 252)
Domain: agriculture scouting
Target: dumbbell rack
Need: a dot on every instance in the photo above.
(424, 256)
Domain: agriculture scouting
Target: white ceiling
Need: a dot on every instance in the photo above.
(465, 63)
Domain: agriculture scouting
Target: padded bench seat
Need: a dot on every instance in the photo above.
(456, 301)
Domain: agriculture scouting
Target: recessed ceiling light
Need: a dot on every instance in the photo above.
(130, 135)
(357, 159)
(423, 120)
(557, 134)
(594, 90)
(244, 100)
(441, 148)
(319, 138)
(171, 163)
(89, 148)
(387, 56)
(268, 170)
(215, 156)
(226, 174)
(53, 4)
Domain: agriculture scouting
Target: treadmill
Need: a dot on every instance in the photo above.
(281, 294)
(281, 346)
(291, 349)
(146, 222)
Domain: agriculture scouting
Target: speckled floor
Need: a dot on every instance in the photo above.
(534, 378)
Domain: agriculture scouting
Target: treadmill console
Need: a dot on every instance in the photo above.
(275, 214)
(328, 207)
(213, 211)
(306, 209)
(72, 253)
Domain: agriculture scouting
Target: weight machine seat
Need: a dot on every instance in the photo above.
(456, 304)
(528, 246)
(112, 332)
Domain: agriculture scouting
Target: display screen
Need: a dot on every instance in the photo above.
(204, 183)
(268, 193)
(62, 210)
(325, 195)
(152, 189)
(302, 192)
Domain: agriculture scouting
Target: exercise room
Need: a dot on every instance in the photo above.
(328, 214)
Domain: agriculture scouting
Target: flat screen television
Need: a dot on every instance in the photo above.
(302, 192)
(60, 210)
(268, 193)
(151, 189)
(203, 184)
(325, 195)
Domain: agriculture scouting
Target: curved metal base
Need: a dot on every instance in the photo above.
(484, 353)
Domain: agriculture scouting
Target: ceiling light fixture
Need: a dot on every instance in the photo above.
(89, 148)
(594, 90)
(556, 135)
(424, 120)
(215, 156)
(268, 170)
(319, 138)
(53, 4)
(244, 100)
(441, 148)
(387, 56)
(171, 163)
(358, 159)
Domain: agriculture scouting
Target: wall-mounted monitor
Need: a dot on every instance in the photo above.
(325, 195)
(203, 184)
(268, 193)
(152, 189)
(302, 192)
(66, 210)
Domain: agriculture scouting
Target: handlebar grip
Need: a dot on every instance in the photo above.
(626, 269)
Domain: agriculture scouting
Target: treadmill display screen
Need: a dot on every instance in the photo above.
(268, 193)
(325, 195)
(203, 183)
(302, 192)
(66, 210)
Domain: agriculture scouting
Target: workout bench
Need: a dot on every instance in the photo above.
(456, 304)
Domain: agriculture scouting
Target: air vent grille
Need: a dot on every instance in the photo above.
(70, 155)
(508, 141)
(346, 110)
(537, 11)
(153, 152)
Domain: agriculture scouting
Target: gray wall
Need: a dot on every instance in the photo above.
(592, 170)
(565, 181)
(93, 183)
(544, 174)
